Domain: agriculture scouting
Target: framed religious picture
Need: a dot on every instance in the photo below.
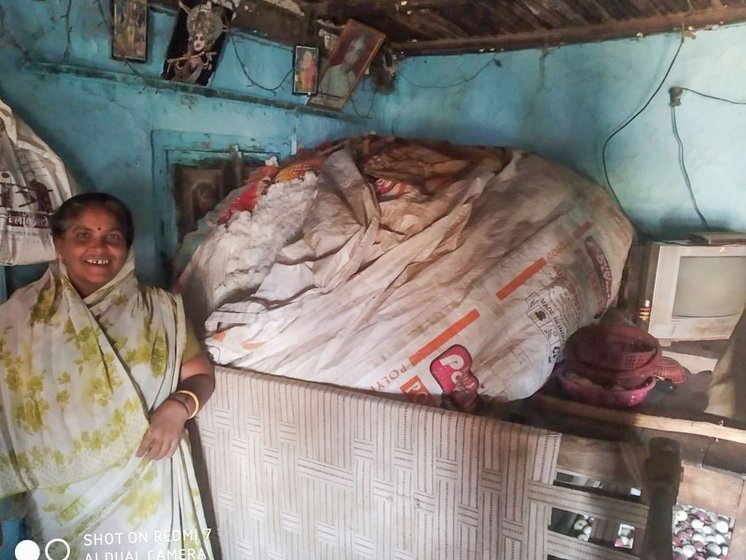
(347, 62)
(305, 70)
(196, 42)
(129, 34)
(199, 190)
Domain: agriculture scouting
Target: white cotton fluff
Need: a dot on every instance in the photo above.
(259, 236)
(232, 262)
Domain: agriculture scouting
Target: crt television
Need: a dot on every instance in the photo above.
(690, 291)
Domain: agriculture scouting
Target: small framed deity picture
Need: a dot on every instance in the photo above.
(129, 34)
(196, 42)
(348, 61)
(305, 70)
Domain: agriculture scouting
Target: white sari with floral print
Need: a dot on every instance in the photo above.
(78, 380)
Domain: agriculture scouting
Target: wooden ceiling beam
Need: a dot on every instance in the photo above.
(646, 7)
(674, 6)
(437, 22)
(524, 12)
(549, 18)
(334, 9)
(603, 11)
(433, 4)
(280, 25)
(341, 10)
(495, 19)
(411, 25)
(519, 13)
(569, 13)
(578, 34)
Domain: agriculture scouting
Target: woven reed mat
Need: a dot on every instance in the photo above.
(303, 471)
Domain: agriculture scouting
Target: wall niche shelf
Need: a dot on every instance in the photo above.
(158, 83)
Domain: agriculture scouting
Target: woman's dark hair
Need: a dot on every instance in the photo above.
(73, 207)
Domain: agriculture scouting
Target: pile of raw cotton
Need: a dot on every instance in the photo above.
(235, 257)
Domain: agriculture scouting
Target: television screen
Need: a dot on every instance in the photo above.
(710, 287)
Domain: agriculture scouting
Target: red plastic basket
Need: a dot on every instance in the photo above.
(602, 363)
(619, 347)
(604, 396)
(670, 369)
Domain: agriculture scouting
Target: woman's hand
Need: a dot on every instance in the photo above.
(166, 427)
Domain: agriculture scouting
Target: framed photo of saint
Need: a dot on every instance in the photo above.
(346, 64)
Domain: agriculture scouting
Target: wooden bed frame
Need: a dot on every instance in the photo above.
(656, 473)
(712, 450)
(256, 425)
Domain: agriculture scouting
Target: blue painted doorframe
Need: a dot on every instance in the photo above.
(172, 148)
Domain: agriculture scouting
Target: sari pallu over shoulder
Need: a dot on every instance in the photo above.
(64, 394)
(78, 379)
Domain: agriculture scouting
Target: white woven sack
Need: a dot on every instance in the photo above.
(503, 269)
(33, 184)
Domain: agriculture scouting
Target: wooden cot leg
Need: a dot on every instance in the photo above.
(662, 477)
(638, 543)
(737, 547)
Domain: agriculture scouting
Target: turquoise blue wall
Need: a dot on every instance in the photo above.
(565, 102)
(103, 125)
(562, 103)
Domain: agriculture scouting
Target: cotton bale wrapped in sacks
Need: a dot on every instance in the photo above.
(459, 288)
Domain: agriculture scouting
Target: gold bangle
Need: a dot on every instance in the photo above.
(194, 398)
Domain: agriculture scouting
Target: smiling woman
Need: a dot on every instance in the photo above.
(98, 375)
(92, 235)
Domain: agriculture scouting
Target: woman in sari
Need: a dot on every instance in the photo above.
(98, 375)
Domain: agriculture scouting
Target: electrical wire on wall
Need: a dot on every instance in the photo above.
(682, 164)
(623, 126)
(715, 97)
(246, 70)
(675, 94)
(492, 61)
(370, 108)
